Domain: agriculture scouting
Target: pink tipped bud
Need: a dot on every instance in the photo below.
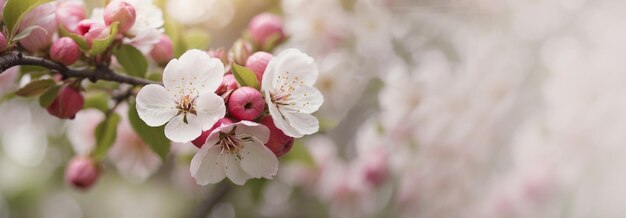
(40, 38)
(279, 143)
(3, 42)
(376, 169)
(82, 172)
(228, 83)
(120, 11)
(91, 30)
(265, 27)
(198, 142)
(163, 51)
(257, 62)
(69, 13)
(65, 51)
(246, 103)
(67, 103)
(240, 52)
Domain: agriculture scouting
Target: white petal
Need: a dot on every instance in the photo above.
(233, 169)
(194, 73)
(289, 65)
(279, 119)
(207, 165)
(260, 132)
(210, 108)
(258, 161)
(179, 131)
(305, 124)
(131, 156)
(305, 99)
(155, 106)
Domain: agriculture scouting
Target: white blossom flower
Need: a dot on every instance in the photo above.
(236, 151)
(186, 102)
(147, 29)
(291, 98)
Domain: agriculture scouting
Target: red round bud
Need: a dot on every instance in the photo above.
(279, 143)
(228, 83)
(246, 103)
(264, 27)
(198, 142)
(257, 62)
(82, 172)
(122, 12)
(163, 51)
(65, 51)
(67, 103)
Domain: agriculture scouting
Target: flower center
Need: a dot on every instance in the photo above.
(232, 143)
(186, 105)
(287, 86)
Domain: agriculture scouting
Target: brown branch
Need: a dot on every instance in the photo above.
(12, 59)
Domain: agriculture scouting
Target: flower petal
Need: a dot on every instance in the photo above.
(290, 65)
(258, 161)
(304, 99)
(210, 108)
(305, 124)
(207, 166)
(279, 120)
(233, 169)
(155, 105)
(179, 131)
(260, 132)
(194, 73)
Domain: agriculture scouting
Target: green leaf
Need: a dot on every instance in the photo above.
(26, 32)
(245, 76)
(153, 136)
(48, 97)
(97, 100)
(100, 45)
(14, 11)
(36, 87)
(106, 132)
(132, 60)
(82, 43)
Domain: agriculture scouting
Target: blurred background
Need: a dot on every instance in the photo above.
(433, 108)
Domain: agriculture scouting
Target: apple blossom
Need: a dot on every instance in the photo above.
(40, 38)
(257, 62)
(198, 142)
(69, 13)
(235, 151)
(147, 30)
(163, 51)
(82, 172)
(289, 93)
(65, 51)
(229, 83)
(186, 101)
(246, 103)
(67, 103)
(264, 27)
(279, 143)
(122, 12)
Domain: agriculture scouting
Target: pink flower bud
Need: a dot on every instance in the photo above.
(120, 11)
(198, 142)
(246, 103)
(163, 51)
(228, 83)
(67, 103)
(82, 172)
(220, 54)
(375, 171)
(3, 42)
(264, 27)
(257, 62)
(65, 51)
(69, 13)
(240, 52)
(279, 143)
(40, 38)
(91, 30)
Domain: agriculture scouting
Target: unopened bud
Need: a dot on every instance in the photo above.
(67, 103)
(246, 103)
(65, 51)
(39, 38)
(163, 51)
(122, 12)
(82, 172)
(228, 83)
(279, 143)
(91, 30)
(198, 142)
(257, 62)
(240, 52)
(265, 27)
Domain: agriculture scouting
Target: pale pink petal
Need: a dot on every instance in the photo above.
(207, 166)
(306, 124)
(233, 169)
(258, 161)
(260, 132)
(155, 106)
(210, 108)
(179, 131)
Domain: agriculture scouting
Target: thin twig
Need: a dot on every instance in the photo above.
(12, 59)
(214, 197)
